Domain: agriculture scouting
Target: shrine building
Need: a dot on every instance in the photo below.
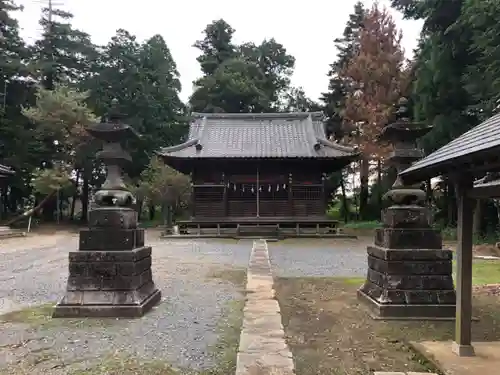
(258, 168)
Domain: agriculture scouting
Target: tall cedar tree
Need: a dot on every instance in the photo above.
(376, 76)
(444, 56)
(244, 78)
(334, 98)
(64, 54)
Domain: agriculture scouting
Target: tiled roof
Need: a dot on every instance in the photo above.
(275, 135)
(4, 170)
(479, 139)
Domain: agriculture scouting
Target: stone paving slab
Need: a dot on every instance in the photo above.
(262, 349)
(485, 362)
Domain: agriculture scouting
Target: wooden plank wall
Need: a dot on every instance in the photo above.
(213, 194)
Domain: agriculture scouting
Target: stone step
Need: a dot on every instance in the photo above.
(6, 232)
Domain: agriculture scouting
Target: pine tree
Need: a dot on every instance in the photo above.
(12, 46)
(246, 78)
(64, 54)
(334, 98)
(216, 47)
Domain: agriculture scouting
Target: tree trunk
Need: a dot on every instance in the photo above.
(75, 195)
(345, 207)
(152, 212)
(379, 183)
(477, 217)
(138, 205)
(50, 210)
(85, 194)
(363, 188)
(33, 210)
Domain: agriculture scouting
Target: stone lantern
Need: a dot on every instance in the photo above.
(110, 275)
(409, 274)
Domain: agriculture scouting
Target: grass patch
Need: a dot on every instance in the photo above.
(351, 280)
(330, 332)
(235, 276)
(117, 365)
(483, 271)
(226, 348)
(363, 225)
(37, 315)
(40, 316)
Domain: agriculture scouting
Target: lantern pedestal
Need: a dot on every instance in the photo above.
(110, 274)
(409, 274)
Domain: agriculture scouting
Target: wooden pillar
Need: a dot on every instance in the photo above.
(193, 195)
(225, 197)
(462, 346)
(324, 198)
(290, 194)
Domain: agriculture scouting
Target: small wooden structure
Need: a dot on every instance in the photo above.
(472, 155)
(263, 170)
(4, 173)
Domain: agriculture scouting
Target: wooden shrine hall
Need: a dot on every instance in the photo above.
(258, 171)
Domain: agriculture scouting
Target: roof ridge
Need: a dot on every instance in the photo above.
(310, 134)
(336, 145)
(179, 147)
(277, 115)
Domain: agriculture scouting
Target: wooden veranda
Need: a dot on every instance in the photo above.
(472, 161)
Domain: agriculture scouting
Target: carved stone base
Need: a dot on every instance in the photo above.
(137, 310)
(409, 283)
(109, 284)
(381, 311)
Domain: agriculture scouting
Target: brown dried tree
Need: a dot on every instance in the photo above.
(376, 75)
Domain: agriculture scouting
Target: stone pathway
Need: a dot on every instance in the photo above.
(263, 349)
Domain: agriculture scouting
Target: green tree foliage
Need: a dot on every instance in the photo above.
(64, 54)
(442, 60)
(275, 66)
(480, 20)
(239, 79)
(62, 116)
(296, 100)
(12, 46)
(216, 47)
(338, 87)
(46, 181)
(160, 185)
(445, 58)
(15, 90)
(144, 79)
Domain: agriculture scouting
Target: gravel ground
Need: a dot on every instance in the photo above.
(180, 330)
(319, 257)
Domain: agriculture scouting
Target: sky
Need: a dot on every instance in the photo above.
(306, 28)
